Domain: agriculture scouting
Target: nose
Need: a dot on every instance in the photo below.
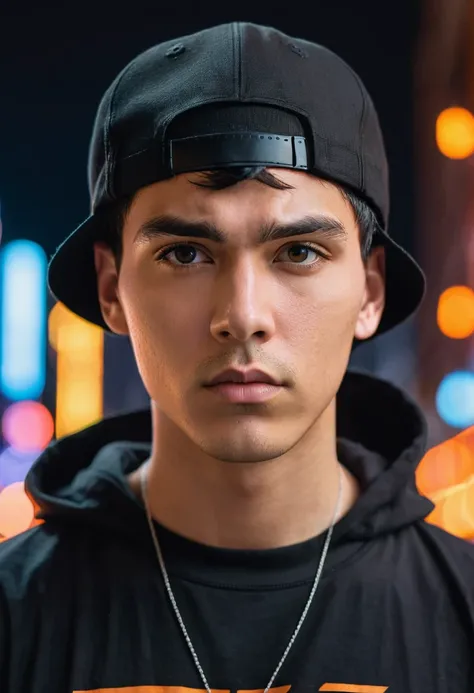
(243, 306)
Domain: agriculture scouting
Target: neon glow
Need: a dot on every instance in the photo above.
(23, 320)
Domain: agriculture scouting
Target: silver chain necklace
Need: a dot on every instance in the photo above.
(172, 599)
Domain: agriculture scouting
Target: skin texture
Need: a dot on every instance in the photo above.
(243, 475)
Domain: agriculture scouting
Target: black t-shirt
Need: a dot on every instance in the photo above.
(83, 606)
(91, 614)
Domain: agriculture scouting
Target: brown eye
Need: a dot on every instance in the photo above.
(185, 254)
(180, 255)
(299, 253)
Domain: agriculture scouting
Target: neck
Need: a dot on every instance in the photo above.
(260, 505)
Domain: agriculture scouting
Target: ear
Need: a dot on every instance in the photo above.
(373, 301)
(107, 288)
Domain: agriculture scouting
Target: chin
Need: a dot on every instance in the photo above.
(244, 454)
(244, 442)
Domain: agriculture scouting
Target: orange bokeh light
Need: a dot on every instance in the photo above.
(28, 426)
(16, 510)
(455, 133)
(444, 466)
(455, 314)
(446, 476)
(454, 511)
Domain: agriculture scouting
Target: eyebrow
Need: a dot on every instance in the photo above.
(164, 226)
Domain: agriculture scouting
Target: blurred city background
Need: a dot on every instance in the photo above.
(59, 374)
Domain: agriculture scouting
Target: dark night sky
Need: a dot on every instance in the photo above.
(55, 63)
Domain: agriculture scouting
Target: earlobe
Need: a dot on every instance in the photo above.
(373, 301)
(107, 288)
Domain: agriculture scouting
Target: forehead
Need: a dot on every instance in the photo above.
(241, 208)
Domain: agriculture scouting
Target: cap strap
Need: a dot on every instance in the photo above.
(206, 152)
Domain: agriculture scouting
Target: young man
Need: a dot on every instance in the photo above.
(260, 528)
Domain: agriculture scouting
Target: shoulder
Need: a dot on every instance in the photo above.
(452, 554)
(26, 560)
(462, 548)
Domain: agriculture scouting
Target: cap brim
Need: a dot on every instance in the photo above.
(405, 284)
(72, 277)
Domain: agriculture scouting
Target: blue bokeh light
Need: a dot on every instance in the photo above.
(23, 266)
(455, 399)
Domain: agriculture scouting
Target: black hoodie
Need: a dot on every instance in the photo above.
(83, 606)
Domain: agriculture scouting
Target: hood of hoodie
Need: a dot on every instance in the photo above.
(381, 440)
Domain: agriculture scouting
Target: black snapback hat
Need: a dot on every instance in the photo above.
(233, 95)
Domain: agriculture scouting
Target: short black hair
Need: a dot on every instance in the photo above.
(219, 179)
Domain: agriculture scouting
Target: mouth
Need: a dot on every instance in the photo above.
(245, 387)
(243, 377)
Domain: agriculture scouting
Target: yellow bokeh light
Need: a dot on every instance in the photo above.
(64, 322)
(455, 315)
(79, 396)
(16, 510)
(80, 353)
(455, 133)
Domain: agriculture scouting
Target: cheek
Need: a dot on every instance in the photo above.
(317, 330)
(325, 316)
(166, 332)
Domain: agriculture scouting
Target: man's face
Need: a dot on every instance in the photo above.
(289, 306)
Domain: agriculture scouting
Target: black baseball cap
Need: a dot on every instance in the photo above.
(236, 94)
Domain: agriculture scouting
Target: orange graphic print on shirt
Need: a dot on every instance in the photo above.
(326, 687)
